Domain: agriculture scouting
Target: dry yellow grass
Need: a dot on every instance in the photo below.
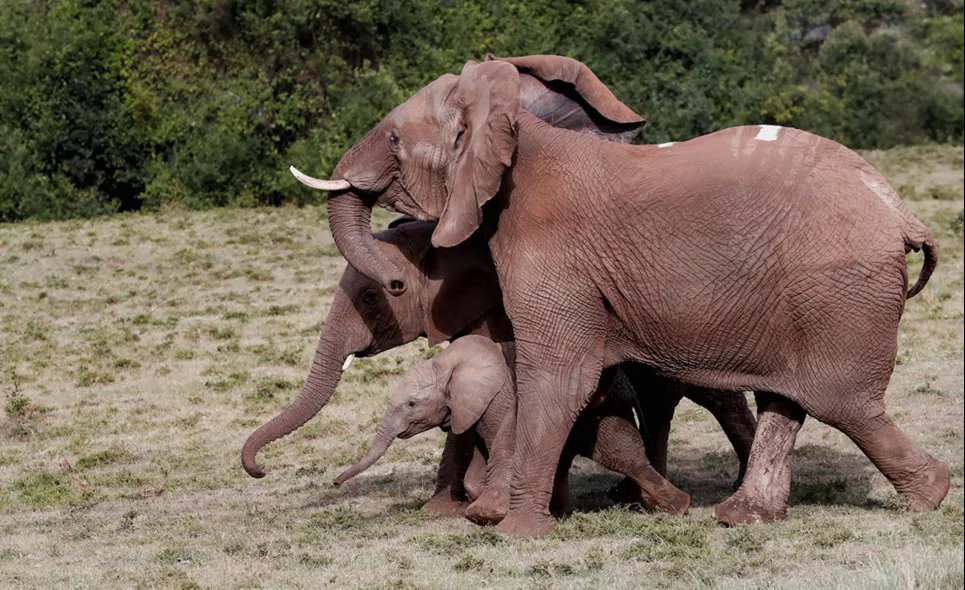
(137, 353)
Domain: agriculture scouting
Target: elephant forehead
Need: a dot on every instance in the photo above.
(418, 384)
(424, 108)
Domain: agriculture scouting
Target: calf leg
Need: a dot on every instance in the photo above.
(493, 503)
(449, 498)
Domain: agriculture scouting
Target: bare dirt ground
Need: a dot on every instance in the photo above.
(138, 352)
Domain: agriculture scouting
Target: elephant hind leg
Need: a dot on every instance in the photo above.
(735, 418)
(618, 447)
(762, 496)
(920, 478)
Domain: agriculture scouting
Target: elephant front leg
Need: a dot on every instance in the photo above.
(493, 503)
(762, 497)
(549, 402)
(449, 498)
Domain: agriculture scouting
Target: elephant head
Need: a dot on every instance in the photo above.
(451, 289)
(442, 154)
(451, 390)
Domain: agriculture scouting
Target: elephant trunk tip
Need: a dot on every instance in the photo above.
(396, 287)
(249, 462)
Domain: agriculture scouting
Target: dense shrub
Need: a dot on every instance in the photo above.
(109, 105)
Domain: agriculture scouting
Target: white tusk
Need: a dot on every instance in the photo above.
(348, 362)
(324, 185)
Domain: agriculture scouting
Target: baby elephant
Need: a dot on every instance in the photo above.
(469, 386)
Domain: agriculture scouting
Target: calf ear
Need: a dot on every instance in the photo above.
(567, 94)
(461, 287)
(485, 139)
(473, 376)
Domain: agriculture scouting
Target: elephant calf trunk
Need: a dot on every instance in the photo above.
(379, 447)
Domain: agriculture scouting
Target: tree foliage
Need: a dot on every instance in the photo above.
(110, 105)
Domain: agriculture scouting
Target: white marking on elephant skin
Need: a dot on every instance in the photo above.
(768, 132)
(880, 187)
(348, 362)
(666, 145)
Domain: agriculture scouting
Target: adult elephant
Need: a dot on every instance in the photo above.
(453, 292)
(758, 258)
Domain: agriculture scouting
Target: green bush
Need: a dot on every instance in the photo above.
(110, 105)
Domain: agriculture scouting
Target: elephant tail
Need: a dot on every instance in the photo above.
(929, 246)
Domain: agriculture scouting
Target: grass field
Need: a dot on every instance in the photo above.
(138, 352)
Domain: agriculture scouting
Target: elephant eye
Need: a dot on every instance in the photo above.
(411, 404)
(370, 298)
(393, 139)
(458, 141)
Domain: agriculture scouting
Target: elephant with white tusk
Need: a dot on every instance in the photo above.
(754, 258)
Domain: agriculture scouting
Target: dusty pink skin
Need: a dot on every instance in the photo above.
(754, 258)
(468, 387)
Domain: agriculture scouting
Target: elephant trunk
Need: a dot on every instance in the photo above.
(383, 440)
(350, 220)
(327, 366)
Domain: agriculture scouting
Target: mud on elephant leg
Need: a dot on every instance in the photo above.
(449, 497)
(921, 479)
(762, 497)
(735, 418)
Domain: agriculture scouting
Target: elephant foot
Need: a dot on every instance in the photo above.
(742, 508)
(443, 505)
(489, 508)
(527, 524)
(673, 501)
(930, 489)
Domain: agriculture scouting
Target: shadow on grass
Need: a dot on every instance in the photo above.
(821, 476)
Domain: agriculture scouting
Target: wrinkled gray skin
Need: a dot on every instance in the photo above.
(753, 258)
(451, 292)
(469, 388)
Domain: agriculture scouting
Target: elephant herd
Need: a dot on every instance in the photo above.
(586, 285)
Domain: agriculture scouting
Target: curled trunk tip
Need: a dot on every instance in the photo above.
(379, 447)
(350, 220)
(248, 460)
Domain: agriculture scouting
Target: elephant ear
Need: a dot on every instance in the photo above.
(476, 372)
(461, 287)
(488, 96)
(567, 94)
